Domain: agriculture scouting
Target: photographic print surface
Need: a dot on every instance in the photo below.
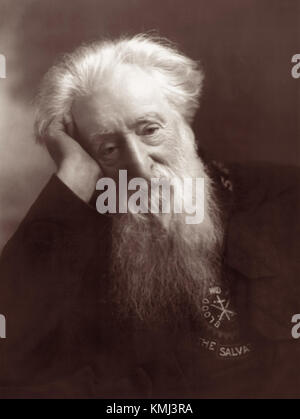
(149, 200)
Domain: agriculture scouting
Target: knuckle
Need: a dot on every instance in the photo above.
(50, 134)
(53, 134)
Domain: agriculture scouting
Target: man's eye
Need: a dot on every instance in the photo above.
(108, 151)
(149, 130)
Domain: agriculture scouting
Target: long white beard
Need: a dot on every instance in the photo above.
(163, 273)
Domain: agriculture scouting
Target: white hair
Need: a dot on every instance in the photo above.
(79, 73)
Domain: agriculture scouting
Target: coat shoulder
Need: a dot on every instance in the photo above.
(258, 183)
(264, 242)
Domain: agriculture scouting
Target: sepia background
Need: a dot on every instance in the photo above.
(250, 104)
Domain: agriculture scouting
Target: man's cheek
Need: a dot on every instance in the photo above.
(169, 152)
(162, 156)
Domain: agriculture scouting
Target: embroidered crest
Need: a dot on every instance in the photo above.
(218, 314)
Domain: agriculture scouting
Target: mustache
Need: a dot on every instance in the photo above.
(160, 190)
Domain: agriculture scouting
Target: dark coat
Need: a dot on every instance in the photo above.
(63, 338)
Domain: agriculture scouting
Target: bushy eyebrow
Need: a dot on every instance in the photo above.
(139, 120)
(151, 115)
(100, 133)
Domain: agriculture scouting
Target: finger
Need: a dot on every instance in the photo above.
(47, 125)
(69, 125)
(55, 130)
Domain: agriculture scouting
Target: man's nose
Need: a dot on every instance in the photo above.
(138, 159)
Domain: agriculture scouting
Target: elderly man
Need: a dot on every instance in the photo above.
(147, 305)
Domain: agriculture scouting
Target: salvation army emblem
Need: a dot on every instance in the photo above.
(218, 314)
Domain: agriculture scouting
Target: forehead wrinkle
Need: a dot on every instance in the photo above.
(119, 125)
(107, 125)
(121, 106)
